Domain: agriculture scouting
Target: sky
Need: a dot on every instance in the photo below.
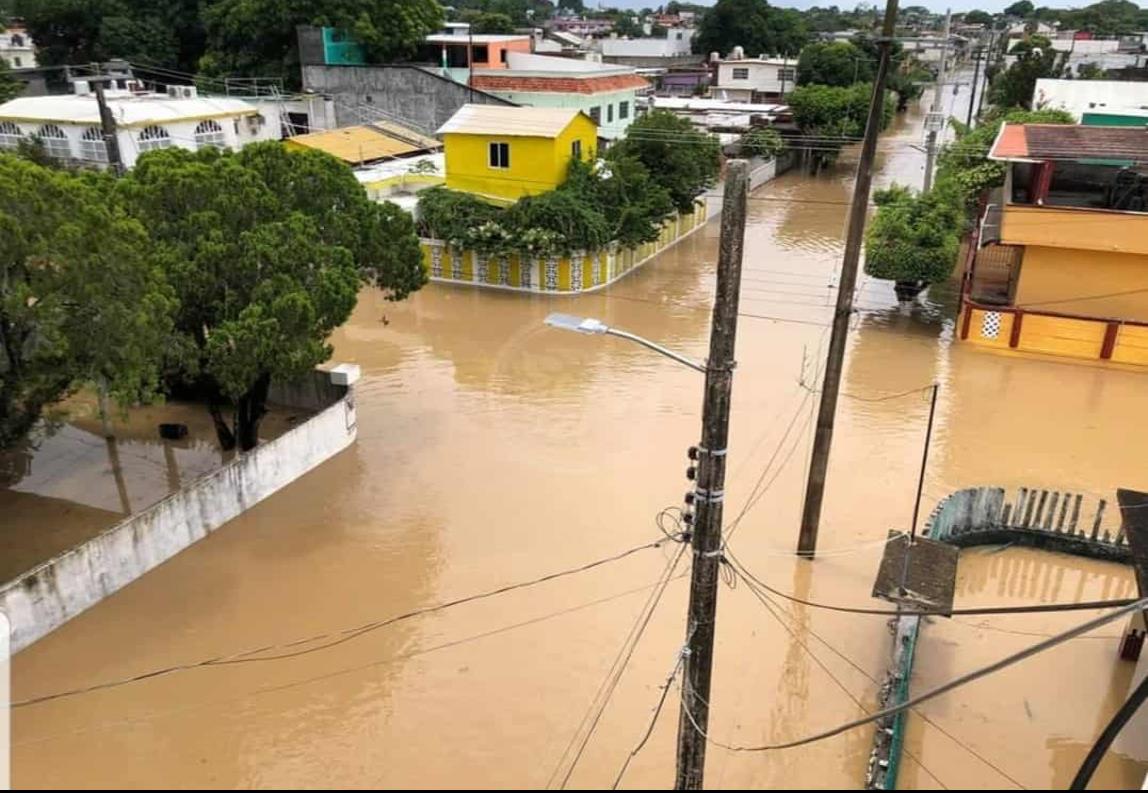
(991, 6)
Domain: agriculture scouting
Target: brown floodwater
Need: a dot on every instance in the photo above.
(492, 449)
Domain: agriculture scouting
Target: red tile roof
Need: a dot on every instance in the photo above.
(563, 85)
(1070, 141)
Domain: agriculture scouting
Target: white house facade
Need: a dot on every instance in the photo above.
(754, 79)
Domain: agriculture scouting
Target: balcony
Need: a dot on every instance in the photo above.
(1076, 228)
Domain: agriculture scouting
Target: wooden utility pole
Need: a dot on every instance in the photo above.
(938, 103)
(973, 91)
(693, 722)
(819, 464)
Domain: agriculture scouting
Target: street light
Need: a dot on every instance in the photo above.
(596, 327)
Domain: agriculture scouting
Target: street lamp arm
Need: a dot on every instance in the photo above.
(699, 367)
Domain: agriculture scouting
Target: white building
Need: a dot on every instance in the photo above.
(17, 48)
(754, 80)
(677, 43)
(1099, 97)
(69, 126)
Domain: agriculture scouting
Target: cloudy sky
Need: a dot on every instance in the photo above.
(937, 5)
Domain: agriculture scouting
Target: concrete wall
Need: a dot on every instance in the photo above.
(412, 95)
(1117, 283)
(49, 595)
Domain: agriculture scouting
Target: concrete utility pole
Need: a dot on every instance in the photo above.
(107, 122)
(819, 463)
(973, 92)
(938, 103)
(693, 722)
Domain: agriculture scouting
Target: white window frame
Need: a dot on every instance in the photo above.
(498, 155)
(55, 140)
(208, 133)
(153, 138)
(93, 147)
(10, 135)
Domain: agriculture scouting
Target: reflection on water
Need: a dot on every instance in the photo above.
(492, 450)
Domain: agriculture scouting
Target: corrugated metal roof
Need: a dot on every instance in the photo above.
(366, 143)
(129, 109)
(542, 122)
(1070, 142)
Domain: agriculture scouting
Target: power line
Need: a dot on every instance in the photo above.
(614, 674)
(1041, 608)
(944, 688)
(343, 635)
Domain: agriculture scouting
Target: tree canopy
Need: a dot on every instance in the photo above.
(1021, 8)
(839, 63)
(831, 116)
(82, 298)
(266, 249)
(914, 238)
(754, 25)
(680, 159)
(1035, 59)
(978, 18)
(10, 87)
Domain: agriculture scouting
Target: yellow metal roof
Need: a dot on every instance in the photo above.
(366, 143)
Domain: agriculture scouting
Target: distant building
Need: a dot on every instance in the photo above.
(457, 54)
(1095, 102)
(579, 26)
(17, 48)
(69, 126)
(754, 80)
(647, 53)
(505, 153)
(606, 93)
(1060, 263)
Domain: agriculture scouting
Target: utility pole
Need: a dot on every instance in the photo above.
(107, 122)
(973, 93)
(823, 439)
(989, 55)
(938, 103)
(693, 722)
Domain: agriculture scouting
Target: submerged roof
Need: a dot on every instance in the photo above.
(367, 142)
(543, 122)
(1070, 142)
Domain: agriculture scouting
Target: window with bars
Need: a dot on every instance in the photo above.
(596, 114)
(623, 110)
(500, 155)
(152, 138)
(56, 143)
(10, 135)
(787, 74)
(93, 147)
(209, 133)
(609, 114)
(576, 150)
(741, 73)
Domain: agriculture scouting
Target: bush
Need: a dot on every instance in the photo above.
(764, 142)
(914, 237)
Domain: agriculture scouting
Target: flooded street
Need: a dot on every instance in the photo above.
(493, 450)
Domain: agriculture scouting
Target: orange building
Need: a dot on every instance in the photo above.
(1059, 261)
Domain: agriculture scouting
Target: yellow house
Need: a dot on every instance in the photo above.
(1059, 264)
(503, 153)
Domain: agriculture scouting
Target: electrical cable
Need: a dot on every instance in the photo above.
(654, 720)
(1105, 739)
(1040, 608)
(344, 635)
(614, 675)
(932, 693)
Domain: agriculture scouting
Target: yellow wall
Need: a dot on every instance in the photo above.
(1053, 279)
(536, 164)
(1080, 229)
(1060, 337)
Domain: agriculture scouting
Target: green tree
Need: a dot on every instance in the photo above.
(266, 249)
(838, 63)
(914, 238)
(10, 87)
(571, 5)
(1035, 59)
(1090, 71)
(764, 142)
(82, 31)
(979, 18)
(483, 22)
(829, 117)
(754, 25)
(82, 298)
(1021, 8)
(258, 38)
(679, 158)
